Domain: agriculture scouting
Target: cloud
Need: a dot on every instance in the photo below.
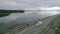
(22, 4)
(44, 8)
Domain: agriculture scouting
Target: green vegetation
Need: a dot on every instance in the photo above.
(54, 21)
(7, 12)
(15, 29)
(57, 29)
(11, 11)
(49, 26)
(1, 24)
(1, 33)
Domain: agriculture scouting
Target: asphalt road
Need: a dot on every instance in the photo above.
(34, 29)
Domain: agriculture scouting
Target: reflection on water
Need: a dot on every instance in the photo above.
(22, 17)
(3, 15)
(19, 18)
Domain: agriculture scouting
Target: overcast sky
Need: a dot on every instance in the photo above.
(24, 4)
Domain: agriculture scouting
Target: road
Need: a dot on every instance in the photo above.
(51, 29)
(34, 30)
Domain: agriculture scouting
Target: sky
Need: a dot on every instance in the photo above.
(26, 4)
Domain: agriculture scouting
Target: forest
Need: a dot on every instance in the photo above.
(7, 12)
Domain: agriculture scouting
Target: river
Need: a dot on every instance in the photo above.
(20, 18)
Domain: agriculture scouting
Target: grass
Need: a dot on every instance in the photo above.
(1, 33)
(57, 29)
(19, 29)
(49, 25)
(1, 24)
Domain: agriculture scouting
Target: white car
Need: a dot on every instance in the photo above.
(40, 22)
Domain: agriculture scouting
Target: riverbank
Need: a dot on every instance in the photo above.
(16, 29)
(57, 28)
(50, 27)
(7, 12)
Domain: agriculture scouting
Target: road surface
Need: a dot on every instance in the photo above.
(51, 29)
(34, 30)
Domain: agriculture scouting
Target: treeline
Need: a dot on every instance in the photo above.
(11, 11)
(7, 12)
